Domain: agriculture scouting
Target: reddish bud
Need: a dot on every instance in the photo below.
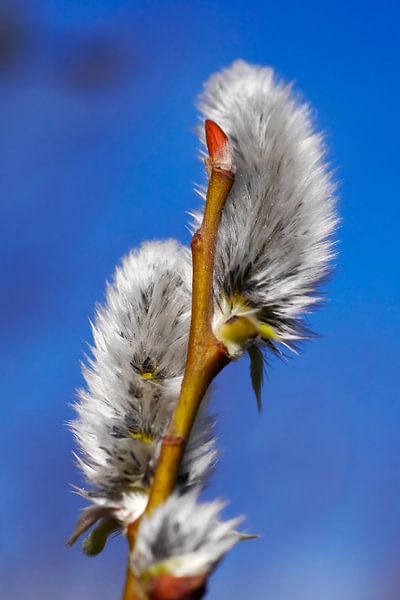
(168, 587)
(219, 148)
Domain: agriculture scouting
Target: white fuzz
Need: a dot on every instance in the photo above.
(133, 381)
(274, 245)
(183, 538)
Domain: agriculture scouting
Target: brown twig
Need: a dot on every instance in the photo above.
(206, 355)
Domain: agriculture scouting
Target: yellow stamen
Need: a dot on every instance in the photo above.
(146, 438)
(149, 376)
(267, 332)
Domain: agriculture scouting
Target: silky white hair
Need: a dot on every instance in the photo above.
(133, 382)
(183, 537)
(274, 243)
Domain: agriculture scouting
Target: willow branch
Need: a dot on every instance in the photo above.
(206, 355)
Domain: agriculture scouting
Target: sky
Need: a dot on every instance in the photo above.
(98, 154)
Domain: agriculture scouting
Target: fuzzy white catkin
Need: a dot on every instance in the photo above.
(183, 537)
(133, 381)
(274, 249)
(274, 243)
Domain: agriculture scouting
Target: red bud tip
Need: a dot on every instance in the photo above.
(218, 146)
(216, 138)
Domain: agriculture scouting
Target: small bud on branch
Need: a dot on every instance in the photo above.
(219, 149)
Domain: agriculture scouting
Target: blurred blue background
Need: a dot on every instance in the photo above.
(97, 154)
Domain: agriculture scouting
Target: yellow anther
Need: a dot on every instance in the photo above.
(144, 437)
(267, 332)
(148, 376)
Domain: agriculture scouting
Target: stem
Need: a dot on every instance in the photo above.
(132, 590)
(206, 355)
